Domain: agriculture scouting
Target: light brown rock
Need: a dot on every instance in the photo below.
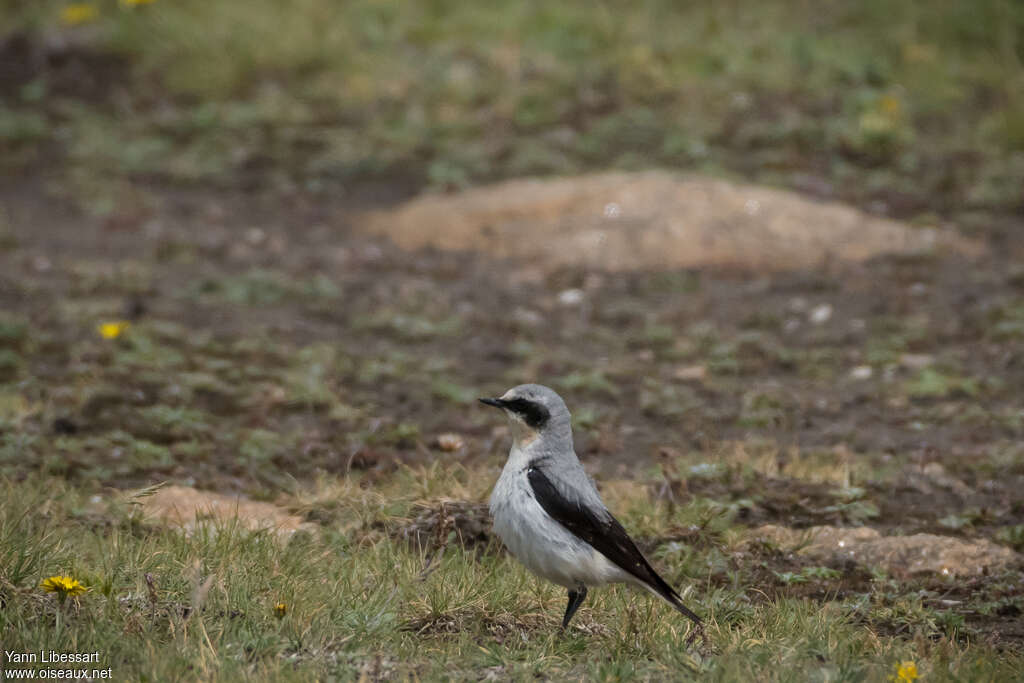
(690, 373)
(654, 219)
(897, 555)
(185, 507)
(450, 442)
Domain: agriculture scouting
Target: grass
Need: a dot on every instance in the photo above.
(362, 603)
(915, 107)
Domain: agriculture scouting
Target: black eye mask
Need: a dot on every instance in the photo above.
(534, 414)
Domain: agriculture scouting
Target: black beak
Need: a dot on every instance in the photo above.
(496, 402)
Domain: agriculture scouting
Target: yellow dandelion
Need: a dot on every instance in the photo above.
(112, 329)
(905, 671)
(78, 13)
(63, 586)
(280, 609)
(890, 105)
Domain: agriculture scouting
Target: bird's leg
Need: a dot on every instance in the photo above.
(576, 598)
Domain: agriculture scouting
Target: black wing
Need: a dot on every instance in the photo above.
(605, 534)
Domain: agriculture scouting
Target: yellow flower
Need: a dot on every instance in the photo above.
(280, 609)
(890, 106)
(63, 586)
(78, 13)
(905, 671)
(112, 329)
(135, 3)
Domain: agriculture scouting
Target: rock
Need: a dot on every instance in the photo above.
(570, 297)
(654, 219)
(691, 373)
(862, 372)
(186, 507)
(897, 555)
(820, 314)
(450, 442)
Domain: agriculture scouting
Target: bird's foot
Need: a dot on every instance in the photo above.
(698, 631)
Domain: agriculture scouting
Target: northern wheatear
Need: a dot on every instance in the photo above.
(549, 514)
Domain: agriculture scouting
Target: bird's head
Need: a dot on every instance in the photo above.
(533, 410)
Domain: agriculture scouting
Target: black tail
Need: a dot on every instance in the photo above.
(669, 595)
(659, 587)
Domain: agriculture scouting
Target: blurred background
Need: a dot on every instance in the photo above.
(202, 203)
(244, 241)
(916, 108)
(770, 253)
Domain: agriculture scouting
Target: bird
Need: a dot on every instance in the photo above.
(549, 514)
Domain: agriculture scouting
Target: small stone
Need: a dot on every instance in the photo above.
(570, 297)
(862, 372)
(820, 314)
(450, 442)
(691, 373)
(255, 236)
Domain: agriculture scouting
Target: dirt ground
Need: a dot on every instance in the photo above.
(902, 360)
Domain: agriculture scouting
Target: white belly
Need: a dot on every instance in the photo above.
(543, 545)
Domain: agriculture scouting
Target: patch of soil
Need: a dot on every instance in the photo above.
(620, 221)
(779, 573)
(1002, 629)
(793, 502)
(923, 496)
